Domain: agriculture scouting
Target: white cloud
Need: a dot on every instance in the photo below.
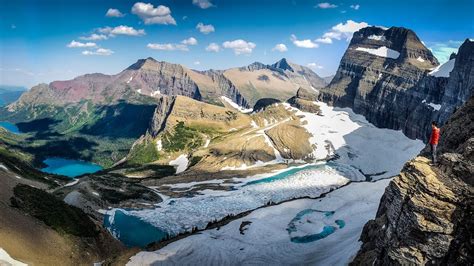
(114, 13)
(74, 44)
(100, 51)
(325, 5)
(324, 40)
(151, 15)
(197, 63)
(280, 48)
(206, 29)
(240, 46)
(168, 47)
(303, 43)
(121, 30)
(343, 31)
(213, 47)
(94, 37)
(355, 7)
(204, 4)
(314, 66)
(189, 41)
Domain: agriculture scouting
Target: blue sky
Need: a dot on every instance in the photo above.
(37, 36)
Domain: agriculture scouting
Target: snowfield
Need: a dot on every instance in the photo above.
(266, 239)
(6, 260)
(443, 70)
(381, 51)
(329, 227)
(236, 106)
(181, 163)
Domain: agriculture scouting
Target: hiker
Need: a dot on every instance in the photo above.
(434, 140)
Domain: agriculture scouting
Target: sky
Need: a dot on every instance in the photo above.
(47, 40)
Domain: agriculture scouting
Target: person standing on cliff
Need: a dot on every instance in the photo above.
(434, 140)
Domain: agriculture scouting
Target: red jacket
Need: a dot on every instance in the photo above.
(434, 136)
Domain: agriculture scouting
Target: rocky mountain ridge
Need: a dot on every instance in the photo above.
(426, 213)
(386, 76)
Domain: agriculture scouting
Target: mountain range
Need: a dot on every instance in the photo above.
(159, 125)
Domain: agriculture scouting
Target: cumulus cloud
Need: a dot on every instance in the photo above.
(280, 48)
(114, 13)
(326, 40)
(325, 5)
(189, 41)
(204, 4)
(74, 44)
(168, 47)
(314, 66)
(240, 46)
(151, 15)
(99, 51)
(121, 30)
(303, 43)
(206, 29)
(355, 7)
(342, 31)
(213, 47)
(94, 37)
(442, 50)
(197, 63)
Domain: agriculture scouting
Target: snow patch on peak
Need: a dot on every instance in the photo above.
(436, 107)
(420, 59)
(443, 70)
(377, 37)
(381, 51)
(236, 106)
(130, 79)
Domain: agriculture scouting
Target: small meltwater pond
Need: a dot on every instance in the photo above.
(10, 127)
(69, 168)
(311, 225)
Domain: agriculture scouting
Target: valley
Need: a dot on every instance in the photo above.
(260, 164)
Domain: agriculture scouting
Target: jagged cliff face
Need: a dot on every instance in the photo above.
(384, 75)
(426, 213)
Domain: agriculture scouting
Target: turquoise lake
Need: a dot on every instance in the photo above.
(69, 168)
(10, 127)
(132, 231)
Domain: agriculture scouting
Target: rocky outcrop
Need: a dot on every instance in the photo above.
(384, 75)
(304, 100)
(426, 213)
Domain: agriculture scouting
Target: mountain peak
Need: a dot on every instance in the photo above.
(283, 64)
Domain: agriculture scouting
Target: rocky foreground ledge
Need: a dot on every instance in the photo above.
(426, 213)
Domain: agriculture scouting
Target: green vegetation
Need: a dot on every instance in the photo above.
(53, 212)
(183, 138)
(144, 152)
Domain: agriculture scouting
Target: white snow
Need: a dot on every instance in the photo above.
(3, 167)
(253, 124)
(266, 239)
(236, 106)
(181, 163)
(207, 143)
(139, 91)
(356, 141)
(443, 70)
(185, 213)
(154, 93)
(436, 107)
(130, 79)
(95, 193)
(194, 183)
(159, 145)
(377, 37)
(72, 183)
(420, 59)
(381, 51)
(7, 260)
